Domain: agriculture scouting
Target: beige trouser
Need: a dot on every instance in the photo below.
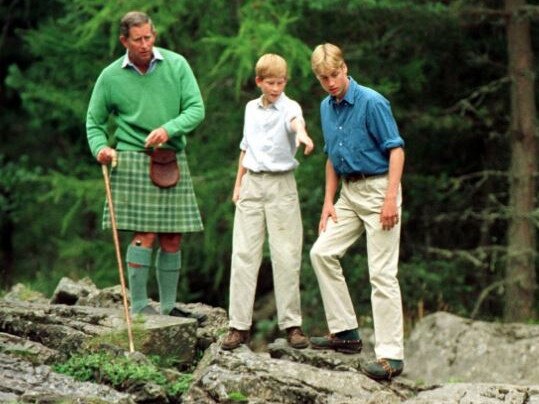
(266, 201)
(358, 210)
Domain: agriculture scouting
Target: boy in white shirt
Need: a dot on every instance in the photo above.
(266, 197)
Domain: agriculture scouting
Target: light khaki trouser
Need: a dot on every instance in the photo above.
(358, 210)
(266, 201)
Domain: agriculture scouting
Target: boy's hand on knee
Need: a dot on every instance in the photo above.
(327, 212)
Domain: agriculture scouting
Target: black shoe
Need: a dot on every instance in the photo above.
(349, 346)
(199, 317)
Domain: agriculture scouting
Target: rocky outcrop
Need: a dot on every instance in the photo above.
(65, 329)
(39, 332)
(444, 348)
(262, 379)
(310, 376)
(85, 293)
(446, 356)
(26, 383)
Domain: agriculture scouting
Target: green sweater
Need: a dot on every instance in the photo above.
(167, 97)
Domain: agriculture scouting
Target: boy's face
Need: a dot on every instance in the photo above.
(335, 81)
(272, 87)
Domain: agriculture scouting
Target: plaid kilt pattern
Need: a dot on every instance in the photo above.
(141, 206)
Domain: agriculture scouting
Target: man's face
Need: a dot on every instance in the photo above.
(272, 87)
(335, 81)
(139, 44)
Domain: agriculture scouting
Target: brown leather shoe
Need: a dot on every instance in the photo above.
(234, 339)
(296, 338)
(383, 369)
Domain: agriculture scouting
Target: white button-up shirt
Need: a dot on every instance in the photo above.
(268, 139)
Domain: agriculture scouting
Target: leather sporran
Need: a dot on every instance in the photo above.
(164, 170)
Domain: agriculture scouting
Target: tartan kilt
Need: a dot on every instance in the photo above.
(141, 206)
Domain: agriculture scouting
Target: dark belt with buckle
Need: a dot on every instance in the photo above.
(268, 172)
(360, 176)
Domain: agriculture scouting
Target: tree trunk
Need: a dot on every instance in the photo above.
(521, 243)
(7, 230)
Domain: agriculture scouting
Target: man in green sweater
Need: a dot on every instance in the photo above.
(154, 99)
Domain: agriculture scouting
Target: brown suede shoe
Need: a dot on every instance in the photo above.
(234, 339)
(296, 338)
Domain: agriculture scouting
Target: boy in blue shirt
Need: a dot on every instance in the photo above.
(266, 197)
(366, 152)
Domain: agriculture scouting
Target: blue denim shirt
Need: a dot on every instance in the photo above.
(359, 131)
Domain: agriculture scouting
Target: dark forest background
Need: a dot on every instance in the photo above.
(445, 66)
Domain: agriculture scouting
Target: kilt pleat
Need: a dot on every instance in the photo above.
(141, 206)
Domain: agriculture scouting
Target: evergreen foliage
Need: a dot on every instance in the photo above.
(444, 72)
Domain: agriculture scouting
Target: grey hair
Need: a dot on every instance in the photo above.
(134, 19)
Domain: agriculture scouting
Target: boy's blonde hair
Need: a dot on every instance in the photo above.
(271, 65)
(326, 58)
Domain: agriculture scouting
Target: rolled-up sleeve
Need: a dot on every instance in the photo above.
(383, 125)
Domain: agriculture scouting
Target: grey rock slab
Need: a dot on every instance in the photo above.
(22, 382)
(66, 328)
(446, 348)
(478, 393)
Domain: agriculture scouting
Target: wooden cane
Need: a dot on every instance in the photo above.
(118, 255)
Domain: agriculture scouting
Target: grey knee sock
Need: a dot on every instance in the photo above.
(168, 273)
(138, 276)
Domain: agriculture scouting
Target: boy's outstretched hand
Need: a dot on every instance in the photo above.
(302, 137)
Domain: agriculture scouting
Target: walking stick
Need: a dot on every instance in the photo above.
(118, 255)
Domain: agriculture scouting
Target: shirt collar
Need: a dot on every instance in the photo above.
(351, 92)
(278, 104)
(156, 56)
